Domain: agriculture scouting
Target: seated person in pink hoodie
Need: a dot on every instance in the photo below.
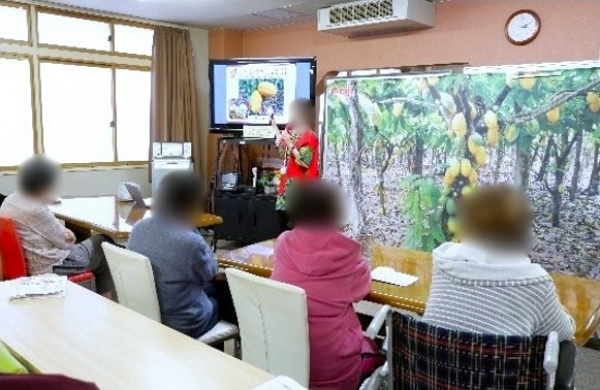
(329, 266)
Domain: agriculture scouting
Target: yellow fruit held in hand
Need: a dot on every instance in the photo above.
(459, 124)
(465, 167)
(454, 170)
(473, 176)
(267, 89)
(481, 157)
(255, 102)
(493, 135)
(398, 108)
(490, 119)
(451, 225)
(553, 115)
(527, 83)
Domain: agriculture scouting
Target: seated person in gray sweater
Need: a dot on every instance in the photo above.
(183, 264)
(487, 283)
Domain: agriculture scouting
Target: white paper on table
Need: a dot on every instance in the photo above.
(38, 286)
(280, 383)
(391, 276)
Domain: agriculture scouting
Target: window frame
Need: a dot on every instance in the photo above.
(113, 41)
(80, 15)
(29, 59)
(113, 68)
(37, 53)
(27, 8)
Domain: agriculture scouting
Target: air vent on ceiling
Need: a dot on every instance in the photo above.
(369, 17)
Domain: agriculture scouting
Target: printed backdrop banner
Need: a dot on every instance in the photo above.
(408, 147)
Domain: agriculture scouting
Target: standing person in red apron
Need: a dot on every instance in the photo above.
(298, 145)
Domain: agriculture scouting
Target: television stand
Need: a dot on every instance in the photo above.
(248, 217)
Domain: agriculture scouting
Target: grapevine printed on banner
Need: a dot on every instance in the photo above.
(407, 148)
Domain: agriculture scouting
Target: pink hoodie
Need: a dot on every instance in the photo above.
(330, 268)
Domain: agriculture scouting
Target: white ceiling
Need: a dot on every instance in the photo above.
(237, 14)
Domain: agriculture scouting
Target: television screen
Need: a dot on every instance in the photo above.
(250, 91)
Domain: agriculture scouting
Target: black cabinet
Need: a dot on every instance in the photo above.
(246, 218)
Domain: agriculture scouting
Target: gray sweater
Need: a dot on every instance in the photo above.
(183, 265)
(478, 289)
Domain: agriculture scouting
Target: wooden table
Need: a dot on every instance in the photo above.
(88, 337)
(106, 215)
(580, 296)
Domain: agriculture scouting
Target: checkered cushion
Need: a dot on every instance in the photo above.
(427, 357)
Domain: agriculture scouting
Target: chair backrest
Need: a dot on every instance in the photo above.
(273, 321)
(12, 259)
(134, 280)
(428, 357)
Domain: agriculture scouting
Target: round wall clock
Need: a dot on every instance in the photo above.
(522, 27)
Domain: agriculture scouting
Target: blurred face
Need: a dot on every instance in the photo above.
(49, 195)
(295, 117)
(298, 119)
(497, 215)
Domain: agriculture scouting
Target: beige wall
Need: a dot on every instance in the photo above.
(465, 31)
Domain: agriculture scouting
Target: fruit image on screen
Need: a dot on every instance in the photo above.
(407, 148)
(262, 97)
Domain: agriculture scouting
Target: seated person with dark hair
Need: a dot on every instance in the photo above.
(183, 264)
(46, 242)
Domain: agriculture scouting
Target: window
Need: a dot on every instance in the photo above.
(73, 32)
(79, 94)
(14, 23)
(16, 121)
(133, 114)
(133, 40)
(77, 113)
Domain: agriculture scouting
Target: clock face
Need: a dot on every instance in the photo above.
(523, 27)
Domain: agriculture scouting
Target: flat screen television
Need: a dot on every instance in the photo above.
(250, 91)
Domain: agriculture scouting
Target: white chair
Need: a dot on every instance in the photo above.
(273, 320)
(134, 282)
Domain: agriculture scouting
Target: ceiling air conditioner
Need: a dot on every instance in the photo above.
(371, 17)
